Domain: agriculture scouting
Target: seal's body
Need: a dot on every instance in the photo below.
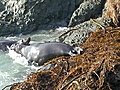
(5, 43)
(41, 53)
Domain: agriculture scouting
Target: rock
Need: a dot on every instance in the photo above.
(79, 36)
(81, 19)
(88, 9)
(25, 16)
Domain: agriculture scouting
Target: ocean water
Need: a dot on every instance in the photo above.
(13, 67)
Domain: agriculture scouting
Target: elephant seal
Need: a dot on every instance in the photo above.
(41, 53)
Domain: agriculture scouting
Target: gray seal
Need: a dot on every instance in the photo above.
(42, 52)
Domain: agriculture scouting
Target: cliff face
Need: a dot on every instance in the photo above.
(24, 16)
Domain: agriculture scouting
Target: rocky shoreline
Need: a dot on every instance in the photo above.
(98, 68)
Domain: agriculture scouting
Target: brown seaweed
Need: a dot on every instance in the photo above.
(112, 10)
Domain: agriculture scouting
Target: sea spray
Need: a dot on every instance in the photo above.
(18, 58)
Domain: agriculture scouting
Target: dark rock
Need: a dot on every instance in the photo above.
(24, 16)
(88, 9)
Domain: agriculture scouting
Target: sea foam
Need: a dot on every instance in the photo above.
(18, 58)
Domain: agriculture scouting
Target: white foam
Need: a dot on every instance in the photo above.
(62, 29)
(11, 38)
(4, 75)
(18, 58)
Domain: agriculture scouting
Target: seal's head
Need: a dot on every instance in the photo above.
(20, 44)
(78, 50)
(25, 41)
(75, 51)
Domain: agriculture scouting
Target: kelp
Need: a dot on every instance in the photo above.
(98, 68)
(113, 10)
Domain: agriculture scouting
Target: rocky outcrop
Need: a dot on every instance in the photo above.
(80, 32)
(88, 9)
(81, 20)
(24, 16)
(104, 12)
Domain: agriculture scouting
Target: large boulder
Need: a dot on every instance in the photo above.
(77, 35)
(24, 16)
(88, 9)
